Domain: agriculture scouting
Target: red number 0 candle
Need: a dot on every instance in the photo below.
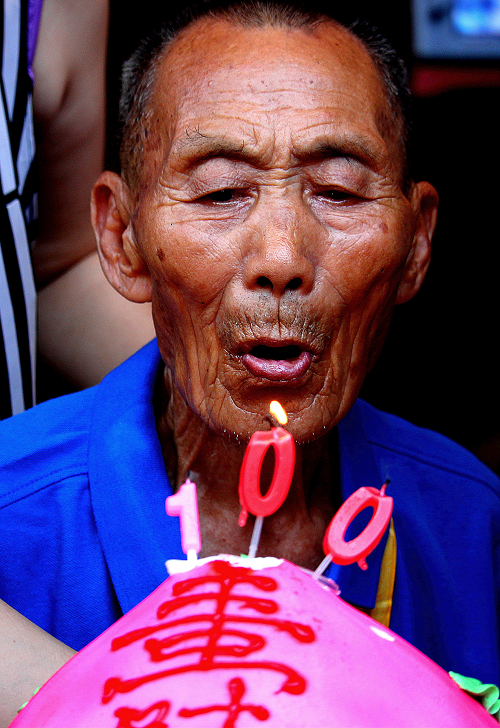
(250, 495)
(347, 552)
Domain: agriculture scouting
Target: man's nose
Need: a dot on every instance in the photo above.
(280, 259)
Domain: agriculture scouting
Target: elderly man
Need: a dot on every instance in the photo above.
(266, 209)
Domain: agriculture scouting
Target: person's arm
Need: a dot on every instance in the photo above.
(29, 656)
(85, 327)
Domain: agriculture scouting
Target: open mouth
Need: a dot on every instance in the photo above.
(277, 362)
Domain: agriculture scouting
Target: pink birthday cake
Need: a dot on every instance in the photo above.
(239, 642)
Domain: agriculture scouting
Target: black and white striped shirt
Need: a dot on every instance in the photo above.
(17, 289)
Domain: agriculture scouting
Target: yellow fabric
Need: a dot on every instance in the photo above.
(381, 612)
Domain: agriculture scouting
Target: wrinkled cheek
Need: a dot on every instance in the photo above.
(369, 248)
(186, 338)
(363, 277)
(364, 330)
(169, 321)
(196, 262)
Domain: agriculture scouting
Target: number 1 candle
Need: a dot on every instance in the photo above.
(251, 498)
(184, 504)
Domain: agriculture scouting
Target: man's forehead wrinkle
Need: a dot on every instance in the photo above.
(194, 146)
(258, 143)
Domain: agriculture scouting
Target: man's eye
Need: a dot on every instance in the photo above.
(226, 195)
(338, 195)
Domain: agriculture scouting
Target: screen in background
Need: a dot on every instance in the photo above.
(476, 17)
(456, 29)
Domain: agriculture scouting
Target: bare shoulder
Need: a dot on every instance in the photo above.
(70, 50)
(69, 112)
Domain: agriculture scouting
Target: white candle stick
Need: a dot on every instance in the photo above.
(254, 542)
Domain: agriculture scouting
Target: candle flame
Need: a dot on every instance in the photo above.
(278, 412)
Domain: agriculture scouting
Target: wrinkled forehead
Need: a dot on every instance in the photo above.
(239, 63)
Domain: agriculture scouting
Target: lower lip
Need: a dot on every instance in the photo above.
(278, 370)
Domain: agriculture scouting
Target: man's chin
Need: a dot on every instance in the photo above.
(306, 422)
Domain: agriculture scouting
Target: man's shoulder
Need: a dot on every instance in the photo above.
(51, 442)
(43, 445)
(422, 446)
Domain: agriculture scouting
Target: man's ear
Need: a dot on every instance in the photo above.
(120, 257)
(424, 201)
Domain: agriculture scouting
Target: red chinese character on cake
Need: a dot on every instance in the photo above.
(236, 688)
(219, 637)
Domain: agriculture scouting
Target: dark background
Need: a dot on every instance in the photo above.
(439, 368)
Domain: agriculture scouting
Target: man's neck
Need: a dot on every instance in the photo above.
(294, 532)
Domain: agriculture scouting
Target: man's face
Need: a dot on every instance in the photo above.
(272, 222)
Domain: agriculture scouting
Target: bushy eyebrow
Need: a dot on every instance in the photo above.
(351, 150)
(197, 148)
(221, 150)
